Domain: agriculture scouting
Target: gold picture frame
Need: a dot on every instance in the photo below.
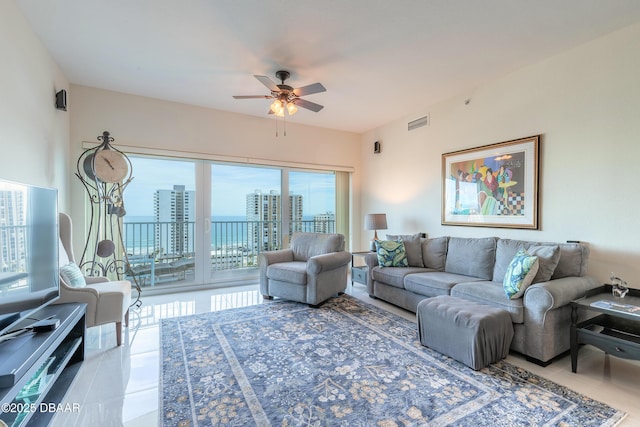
(492, 186)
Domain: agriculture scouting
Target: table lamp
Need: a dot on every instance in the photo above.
(375, 222)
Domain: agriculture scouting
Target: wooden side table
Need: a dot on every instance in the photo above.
(359, 272)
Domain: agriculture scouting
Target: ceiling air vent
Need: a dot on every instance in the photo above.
(418, 123)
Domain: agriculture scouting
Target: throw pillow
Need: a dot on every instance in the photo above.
(573, 260)
(391, 253)
(72, 275)
(548, 258)
(520, 274)
(434, 252)
(413, 247)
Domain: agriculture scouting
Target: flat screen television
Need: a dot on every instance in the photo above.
(29, 268)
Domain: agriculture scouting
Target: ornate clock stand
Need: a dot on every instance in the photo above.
(105, 173)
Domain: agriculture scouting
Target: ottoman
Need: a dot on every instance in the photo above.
(472, 333)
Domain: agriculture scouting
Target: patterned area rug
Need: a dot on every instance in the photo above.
(346, 363)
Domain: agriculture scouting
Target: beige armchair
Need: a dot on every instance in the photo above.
(107, 301)
(311, 271)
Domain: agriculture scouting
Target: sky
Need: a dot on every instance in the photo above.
(229, 183)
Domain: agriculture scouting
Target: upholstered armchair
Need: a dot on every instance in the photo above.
(311, 271)
(107, 301)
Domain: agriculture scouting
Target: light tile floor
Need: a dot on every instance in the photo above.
(118, 386)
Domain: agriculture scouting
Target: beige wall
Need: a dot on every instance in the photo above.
(147, 123)
(584, 102)
(34, 136)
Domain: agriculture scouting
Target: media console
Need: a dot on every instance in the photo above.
(37, 368)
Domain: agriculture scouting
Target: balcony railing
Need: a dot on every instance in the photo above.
(163, 252)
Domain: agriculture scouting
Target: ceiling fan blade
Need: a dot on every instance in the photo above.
(308, 105)
(252, 96)
(310, 89)
(268, 83)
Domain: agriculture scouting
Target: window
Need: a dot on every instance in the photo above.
(200, 222)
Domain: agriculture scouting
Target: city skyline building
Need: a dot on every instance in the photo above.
(12, 239)
(173, 210)
(296, 213)
(264, 215)
(324, 223)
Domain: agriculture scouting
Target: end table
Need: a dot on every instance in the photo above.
(359, 272)
(616, 330)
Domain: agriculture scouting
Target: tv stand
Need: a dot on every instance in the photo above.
(37, 368)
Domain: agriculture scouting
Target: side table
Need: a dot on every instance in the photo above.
(616, 330)
(359, 272)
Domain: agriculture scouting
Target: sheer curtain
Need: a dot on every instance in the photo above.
(342, 204)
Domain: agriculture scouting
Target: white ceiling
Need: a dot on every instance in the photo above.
(379, 59)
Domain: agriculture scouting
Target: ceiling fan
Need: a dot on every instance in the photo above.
(286, 97)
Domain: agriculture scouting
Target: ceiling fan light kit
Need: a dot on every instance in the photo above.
(286, 97)
(278, 108)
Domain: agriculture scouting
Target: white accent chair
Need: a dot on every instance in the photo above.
(107, 301)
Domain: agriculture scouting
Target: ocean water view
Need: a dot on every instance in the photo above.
(227, 232)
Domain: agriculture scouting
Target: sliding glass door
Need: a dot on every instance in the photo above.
(245, 218)
(159, 227)
(201, 222)
(313, 201)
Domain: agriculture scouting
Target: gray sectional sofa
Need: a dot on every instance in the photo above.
(474, 268)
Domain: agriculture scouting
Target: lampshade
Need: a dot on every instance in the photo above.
(291, 108)
(276, 107)
(375, 221)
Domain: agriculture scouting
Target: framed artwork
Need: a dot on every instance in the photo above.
(492, 186)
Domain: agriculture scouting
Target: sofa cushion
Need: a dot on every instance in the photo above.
(573, 260)
(292, 272)
(520, 274)
(434, 283)
(491, 293)
(394, 276)
(548, 258)
(306, 245)
(391, 253)
(412, 246)
(471, 256)
(506, 249)
(434, 252)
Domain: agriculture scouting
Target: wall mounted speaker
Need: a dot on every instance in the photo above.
(376, 147)
(61, 100)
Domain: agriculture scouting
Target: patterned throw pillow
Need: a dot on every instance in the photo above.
(520, 274)
(72, 275)
(391, 253)
(413, 247)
